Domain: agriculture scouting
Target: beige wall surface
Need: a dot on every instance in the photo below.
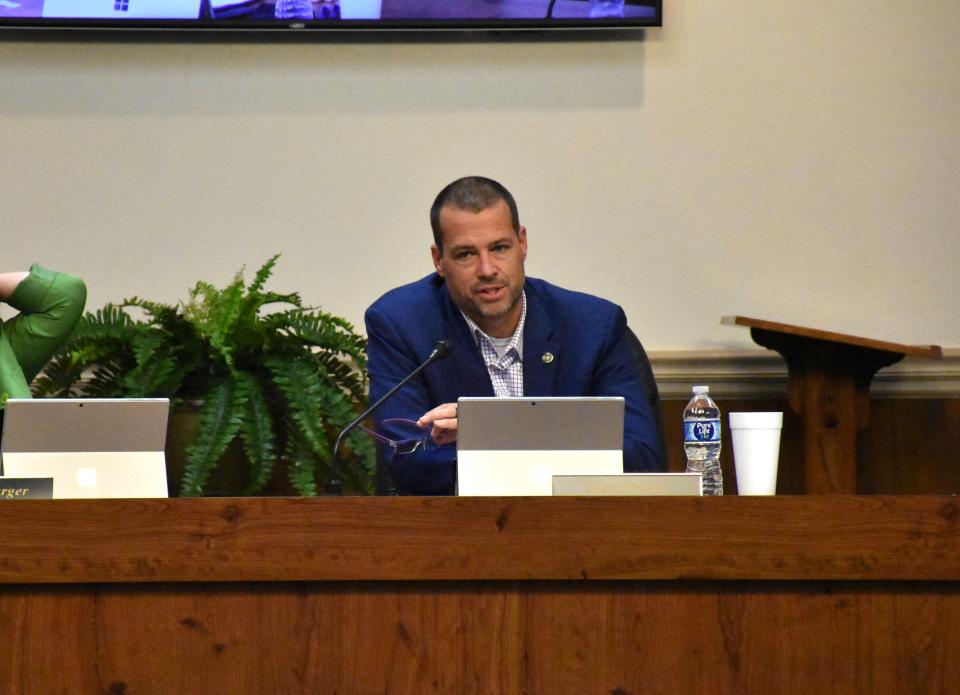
(796, 161)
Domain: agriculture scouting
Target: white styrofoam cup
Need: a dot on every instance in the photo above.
(756, 451)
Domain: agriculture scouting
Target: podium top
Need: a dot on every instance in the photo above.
(931, 351)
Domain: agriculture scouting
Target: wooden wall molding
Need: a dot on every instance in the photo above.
(763, 374)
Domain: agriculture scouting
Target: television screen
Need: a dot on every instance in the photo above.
(288, 15)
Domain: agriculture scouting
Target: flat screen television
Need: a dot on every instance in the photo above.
(326, 15)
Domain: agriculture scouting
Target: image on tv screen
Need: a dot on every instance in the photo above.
(439, 11)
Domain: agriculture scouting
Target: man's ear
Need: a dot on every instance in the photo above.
(522, 236)
(437, 255)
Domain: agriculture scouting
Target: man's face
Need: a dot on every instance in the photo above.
(482, 263)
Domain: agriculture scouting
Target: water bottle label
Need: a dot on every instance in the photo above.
(701, 431)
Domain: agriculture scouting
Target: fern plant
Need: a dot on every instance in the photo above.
(280, 377)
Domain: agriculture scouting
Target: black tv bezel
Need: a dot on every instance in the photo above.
(240, 27)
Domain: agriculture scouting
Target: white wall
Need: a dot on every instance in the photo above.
(796, 161)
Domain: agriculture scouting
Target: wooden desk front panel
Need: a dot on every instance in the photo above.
(832, 594)
(855, 538)
(470, 637)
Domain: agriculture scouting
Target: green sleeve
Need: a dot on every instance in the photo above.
(12, 382)
(50, 304)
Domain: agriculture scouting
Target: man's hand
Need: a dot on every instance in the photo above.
(442, 422)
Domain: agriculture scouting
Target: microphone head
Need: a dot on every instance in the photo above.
(441, 349)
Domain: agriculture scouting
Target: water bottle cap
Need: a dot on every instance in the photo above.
(701, 389)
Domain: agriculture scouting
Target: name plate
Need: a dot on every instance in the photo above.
(26, 488)
(629, 485)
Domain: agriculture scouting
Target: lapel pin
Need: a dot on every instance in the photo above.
(547, 357)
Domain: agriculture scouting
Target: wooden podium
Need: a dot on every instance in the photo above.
(825, 594)
(828, 384)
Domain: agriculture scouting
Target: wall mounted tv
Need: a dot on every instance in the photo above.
(315, 16)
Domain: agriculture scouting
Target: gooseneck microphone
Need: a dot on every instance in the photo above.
(333, 486)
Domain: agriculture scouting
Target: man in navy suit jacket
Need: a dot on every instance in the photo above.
(510, 335)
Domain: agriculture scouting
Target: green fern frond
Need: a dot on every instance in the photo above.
(222, 317)
(292, 298)
(108, 326)
(357, 473)
(108, 316)
(220, 421)
(203, 299)
(260, 279)
(89, 352)
(188, 380)
(152, 377)
(259, 440)
(338, 408)
(322, 330)
(106, 381)
(352, 378)
(161, 313)
(300, 386)
(145, 346)
(301, 462)
(357, 466)
(59, 379)
(248, 320)
(357, 460)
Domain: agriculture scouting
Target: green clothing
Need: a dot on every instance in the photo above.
(50, 304)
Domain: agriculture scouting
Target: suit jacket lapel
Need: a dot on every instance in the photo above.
(541, 351)
(475, 380)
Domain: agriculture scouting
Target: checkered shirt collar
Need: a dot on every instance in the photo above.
(516, 341)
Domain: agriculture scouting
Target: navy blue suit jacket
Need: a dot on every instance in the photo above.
(585, 334)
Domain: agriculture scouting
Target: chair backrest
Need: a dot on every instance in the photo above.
(653, 394)
(384, 483)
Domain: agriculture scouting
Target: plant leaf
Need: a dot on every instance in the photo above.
(220, 420)
(299, 384)
(301, 462)
(259, 441)
(356, 462)
(58, 378)
(260, 279)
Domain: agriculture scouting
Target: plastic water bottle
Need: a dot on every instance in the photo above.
(701, 439)
(293, 9)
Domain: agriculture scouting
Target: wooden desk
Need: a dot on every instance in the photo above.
(828, 384)
(839, 594)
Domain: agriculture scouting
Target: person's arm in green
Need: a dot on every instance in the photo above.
(50, 304)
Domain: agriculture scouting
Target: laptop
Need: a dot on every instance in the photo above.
(91, 447)
(514, 446)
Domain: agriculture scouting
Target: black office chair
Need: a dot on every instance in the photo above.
(653, 394)
(383, 483)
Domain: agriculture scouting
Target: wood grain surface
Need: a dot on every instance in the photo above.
(494, 638)
(931, 351)
(284, 539)
(830, 594)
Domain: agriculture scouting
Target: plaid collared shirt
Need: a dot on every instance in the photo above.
(506, 371)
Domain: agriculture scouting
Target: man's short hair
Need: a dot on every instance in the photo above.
(473, 193)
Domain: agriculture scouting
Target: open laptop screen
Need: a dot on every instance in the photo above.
(91, 447)
(514, 446)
